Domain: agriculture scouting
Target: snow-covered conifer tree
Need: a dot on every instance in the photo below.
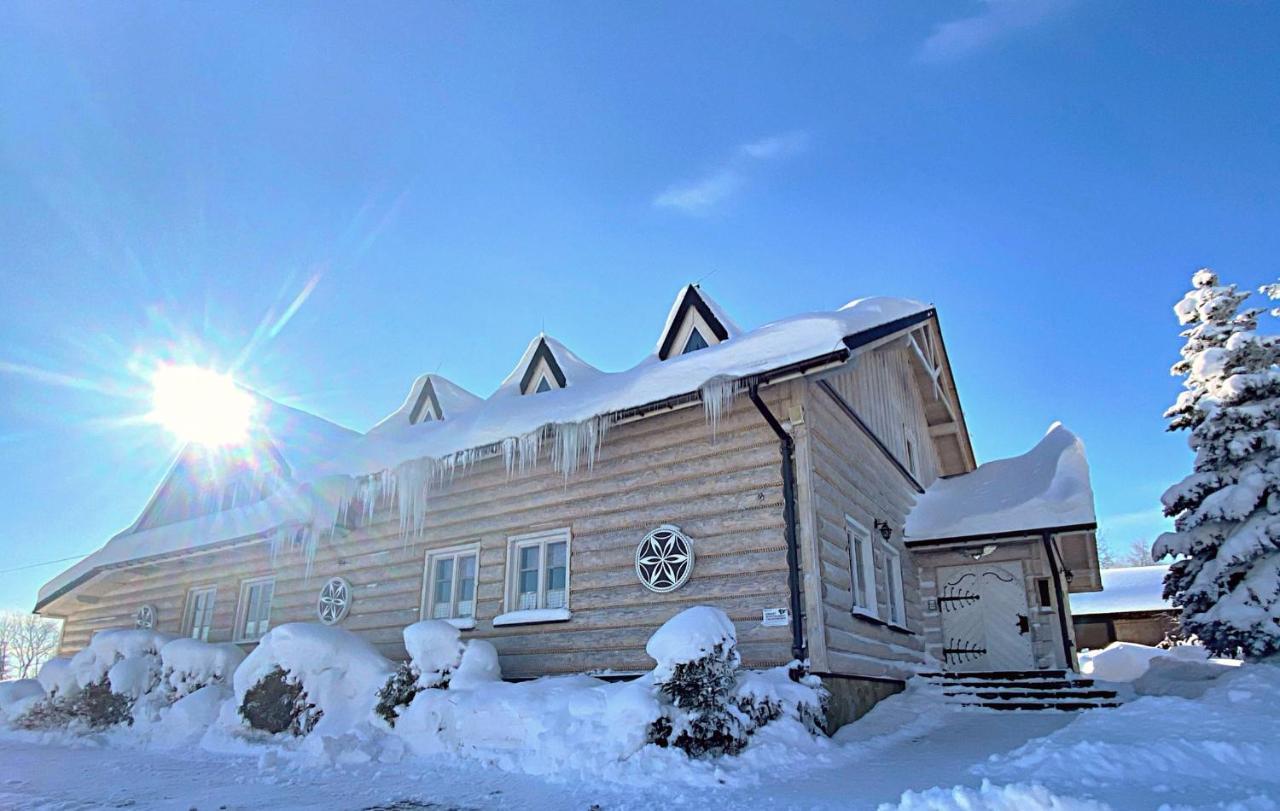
(1227, 512)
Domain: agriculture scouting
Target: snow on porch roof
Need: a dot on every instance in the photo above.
(1045, 488)
(773, 346)
(1125, 591)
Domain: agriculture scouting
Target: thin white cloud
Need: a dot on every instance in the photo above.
(702, 194)
(998, 19)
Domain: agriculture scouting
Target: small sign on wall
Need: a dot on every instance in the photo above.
(771, 617)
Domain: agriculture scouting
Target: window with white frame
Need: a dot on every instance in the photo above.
(538, 571)
(253, 616)
(891, 561)
(861, 567)
(198, 618)
(450, 583)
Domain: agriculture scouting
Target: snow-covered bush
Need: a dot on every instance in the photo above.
(107, 683)
(1226, 580)
(478, 666)
(697, 656)
(16, 697)
(435, 648)
(57, 677)
(398, 692)
(190, 664)
(306, 677)
(711, 707)
(437, 658)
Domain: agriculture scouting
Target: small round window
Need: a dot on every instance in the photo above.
(334, 601)
(145, 617)
(664, 559)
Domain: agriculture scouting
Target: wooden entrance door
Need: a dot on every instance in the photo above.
(985, 622)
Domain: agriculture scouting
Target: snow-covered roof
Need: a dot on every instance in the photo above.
(1125, 591)
(592, 393)
(301, 439)
(1045, 488)
(315, 448)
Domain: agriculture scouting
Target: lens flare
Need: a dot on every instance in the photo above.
(200, 405)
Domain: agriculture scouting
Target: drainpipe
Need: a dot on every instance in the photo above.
(786, 447)
(1047, 539)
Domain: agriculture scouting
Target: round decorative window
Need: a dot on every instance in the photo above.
(334, 602)
(664, 559)
(145, 617)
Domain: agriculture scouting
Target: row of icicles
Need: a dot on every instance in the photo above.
(409, 484)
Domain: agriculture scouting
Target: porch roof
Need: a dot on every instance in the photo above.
(1046, 488)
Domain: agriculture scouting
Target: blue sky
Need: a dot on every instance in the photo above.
(437, 182)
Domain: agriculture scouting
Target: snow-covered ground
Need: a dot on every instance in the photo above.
(1193, 736)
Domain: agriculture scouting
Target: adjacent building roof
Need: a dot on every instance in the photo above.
(1046, 488)
(1135, 589)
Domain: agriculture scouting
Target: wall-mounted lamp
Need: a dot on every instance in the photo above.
(979, 554)
(885, 530)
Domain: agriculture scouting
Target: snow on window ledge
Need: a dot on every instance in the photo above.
(532, 615)
(461, 623)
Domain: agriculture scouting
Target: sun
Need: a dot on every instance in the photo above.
(200, 405)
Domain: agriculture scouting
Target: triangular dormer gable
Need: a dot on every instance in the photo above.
(543, 372)
(431, 398)
(546, 365)
(695, 322)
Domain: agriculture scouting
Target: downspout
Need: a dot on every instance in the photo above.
(1047, 539)
(786, 446)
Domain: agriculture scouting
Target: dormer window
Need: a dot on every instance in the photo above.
(694, 323)
(543, 372)
(695, 342)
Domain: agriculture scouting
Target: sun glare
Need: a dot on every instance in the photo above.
(200, 405)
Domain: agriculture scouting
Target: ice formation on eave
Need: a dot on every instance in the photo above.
(410, 461)
(1125, 590)
(1045, 488)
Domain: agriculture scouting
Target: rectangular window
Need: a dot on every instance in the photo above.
(1043, 592)
(254, 612)
(539, 571)
(892, 564)
(861, 567)
(451, 583)
(198, 619)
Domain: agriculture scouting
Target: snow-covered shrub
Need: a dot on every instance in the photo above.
(398, 692)
(57, 677)
(711, 707)
(1226, 580)
(99, 706)
(320, 678)
(435, 648)
(436, 654)
(278, 703)
(190, 664)
(764, 696)
(107, 683)
(107, 648)
(697, 656)
(479, 666)
(16, 697)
